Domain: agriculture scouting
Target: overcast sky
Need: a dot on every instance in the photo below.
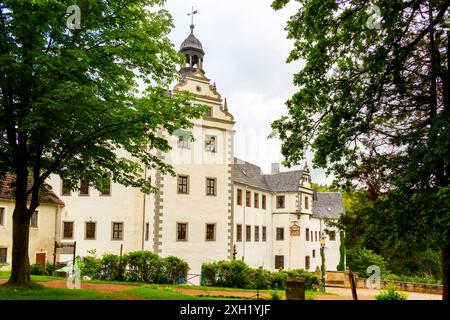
(246, 50)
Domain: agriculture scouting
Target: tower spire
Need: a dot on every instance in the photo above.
(193, 12)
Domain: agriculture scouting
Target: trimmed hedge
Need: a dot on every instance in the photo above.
(137, 266)
(238, 274)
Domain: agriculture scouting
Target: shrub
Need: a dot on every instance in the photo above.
(90, 268)
(174, 268)
(275, 296)
(391, 294)
(137, 266)
(279, 280)
(358, 259)
(259, 279)
(427, 279)
(237, 274)
(142, 266)
(209, 271)
(311, 279)
(37, 270)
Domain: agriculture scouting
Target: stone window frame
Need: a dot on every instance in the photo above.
(256, 233)
(214, 231)
(256, 200)
(280, 204)
(65, 192)
(239, 233)
(211, 147)
(248, 199)
(35, 214)
(248, 233)
(278, 262)
(187, 183)
(81, 188)
(64, 229)
(186, 231)
(121, 231)
(3, 217)
(239, 197)
(279, 234)
(208, 187)
(86, 230)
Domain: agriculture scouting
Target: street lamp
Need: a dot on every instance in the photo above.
(322, 255)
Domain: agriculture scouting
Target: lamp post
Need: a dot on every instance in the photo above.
(322, 255)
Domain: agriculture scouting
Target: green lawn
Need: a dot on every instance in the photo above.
(38, 292)
(142, 291)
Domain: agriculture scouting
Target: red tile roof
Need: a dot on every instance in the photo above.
(46, 194)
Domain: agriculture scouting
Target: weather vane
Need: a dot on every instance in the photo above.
(192, 17)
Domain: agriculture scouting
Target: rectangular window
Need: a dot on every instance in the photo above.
(263, 204)
(332, 235)
(3, 255)
(279, 262)
(316, 236)
(239, 233)
(314, 253)
(65, 191)
(248, 233)
(181, 231)
(280, 202)
(256, 200)
(84, 188)
(307, 263)
(90, 231)
(280, 233)
(105, 189)
(67, 230)
(209, 112)
(211, 186)
(239, 197)
(183, 184)
(210, 143)
(2, 216)
(264, 234)
(307, 234)
(210, 232)
(34, 220)
(306, 202)
(183, 141)
(312, 236)
(256, 233)
(248, 199)
(147, 231)
(117, 231)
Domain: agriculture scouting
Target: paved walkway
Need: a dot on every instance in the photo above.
(369, 294)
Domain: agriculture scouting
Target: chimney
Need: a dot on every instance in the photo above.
(275, 168)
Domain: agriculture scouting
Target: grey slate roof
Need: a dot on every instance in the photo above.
(328, 205)
(252, 175)
(284, 181)
(249, 174)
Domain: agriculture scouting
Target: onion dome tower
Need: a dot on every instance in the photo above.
(192, 49)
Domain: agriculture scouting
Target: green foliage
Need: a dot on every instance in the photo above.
(37, 270)
(174, 268)
(373, 106)
(359, 259)
(70, 100)
(237, 274)
(426, 279)
(275, 295)
(391, 294)
(137, 266)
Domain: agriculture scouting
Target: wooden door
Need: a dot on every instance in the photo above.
(41, 259)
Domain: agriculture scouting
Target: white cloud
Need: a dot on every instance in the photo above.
(246, 51)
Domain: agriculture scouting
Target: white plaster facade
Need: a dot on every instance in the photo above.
(150, 222)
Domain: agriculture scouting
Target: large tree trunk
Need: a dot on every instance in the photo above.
(446, 272)
(20, 270)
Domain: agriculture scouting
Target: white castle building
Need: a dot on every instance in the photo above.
(217, 207)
